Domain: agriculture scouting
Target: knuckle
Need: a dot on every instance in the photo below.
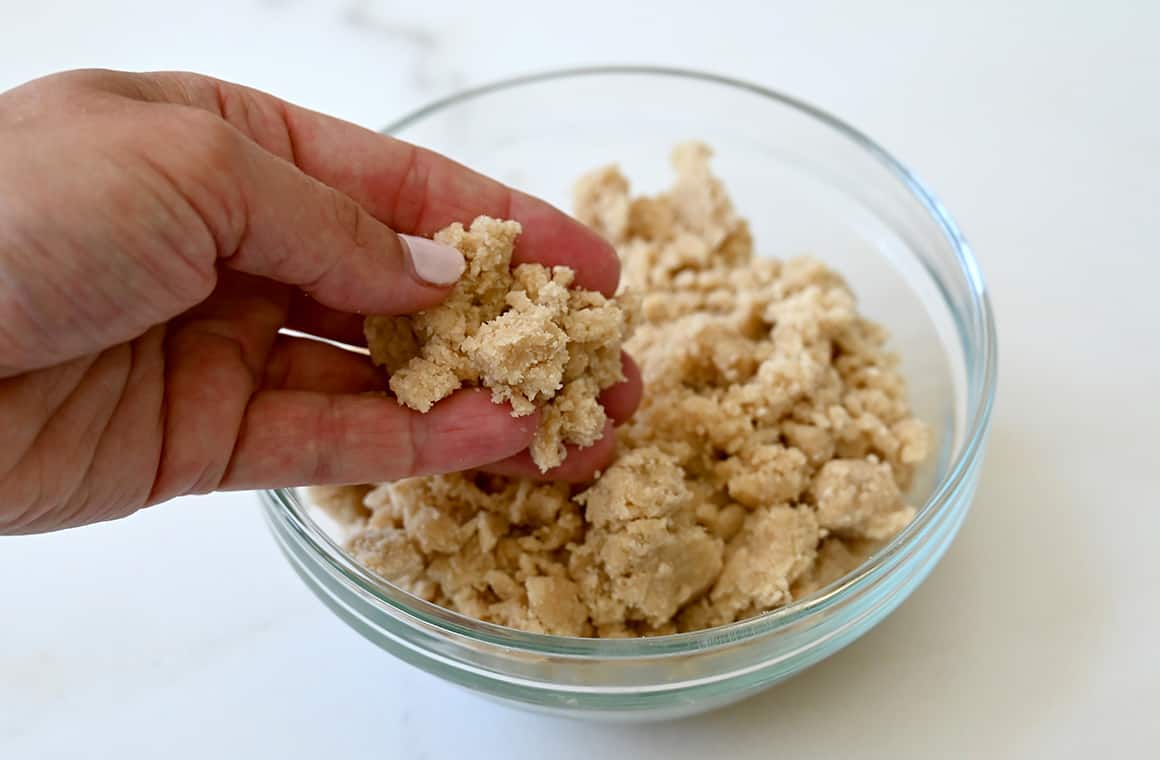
(217, 144)
(204, 158)
(192, 141)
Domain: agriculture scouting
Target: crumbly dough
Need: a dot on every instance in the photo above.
(768, 458)
(524, 334)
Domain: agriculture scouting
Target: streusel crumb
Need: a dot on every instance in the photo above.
(769, 456)
(524, 334)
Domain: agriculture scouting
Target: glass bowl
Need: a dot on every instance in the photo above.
(808, 183)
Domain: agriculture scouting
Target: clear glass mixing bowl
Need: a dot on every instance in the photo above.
(807, 183)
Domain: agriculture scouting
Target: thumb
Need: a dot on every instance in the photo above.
(299, 231)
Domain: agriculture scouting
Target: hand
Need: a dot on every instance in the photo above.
(156, 233)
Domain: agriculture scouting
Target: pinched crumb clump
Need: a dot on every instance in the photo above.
(769, 456)
(524, 334)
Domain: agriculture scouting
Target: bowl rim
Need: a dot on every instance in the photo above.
(976, 425)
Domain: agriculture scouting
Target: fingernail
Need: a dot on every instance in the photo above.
(433, 262)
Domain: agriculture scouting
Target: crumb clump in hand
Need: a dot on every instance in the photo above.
(525, 334)
(769, 456)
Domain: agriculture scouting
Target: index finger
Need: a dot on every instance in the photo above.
(408, 188)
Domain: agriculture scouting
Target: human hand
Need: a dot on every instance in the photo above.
(156, 233)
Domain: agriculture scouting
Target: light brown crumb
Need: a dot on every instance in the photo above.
(859, 497)
(835, 558)
(343, 503)
(775, 547)
(524, 334)
(767, 460)
(643, 556)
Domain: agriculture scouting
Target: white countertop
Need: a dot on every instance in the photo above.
(182, 633)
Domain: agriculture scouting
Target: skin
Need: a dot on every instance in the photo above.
(156, 233)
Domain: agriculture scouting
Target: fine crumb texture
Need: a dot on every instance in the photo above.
(768, 459)
(524, 334)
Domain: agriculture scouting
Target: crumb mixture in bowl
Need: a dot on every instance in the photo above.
(769, 457)
(711, 327)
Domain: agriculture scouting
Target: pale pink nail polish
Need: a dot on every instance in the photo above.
(432, 262)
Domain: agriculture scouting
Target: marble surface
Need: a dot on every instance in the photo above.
(181, 632)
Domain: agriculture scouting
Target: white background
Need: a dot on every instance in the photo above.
(181, 633)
